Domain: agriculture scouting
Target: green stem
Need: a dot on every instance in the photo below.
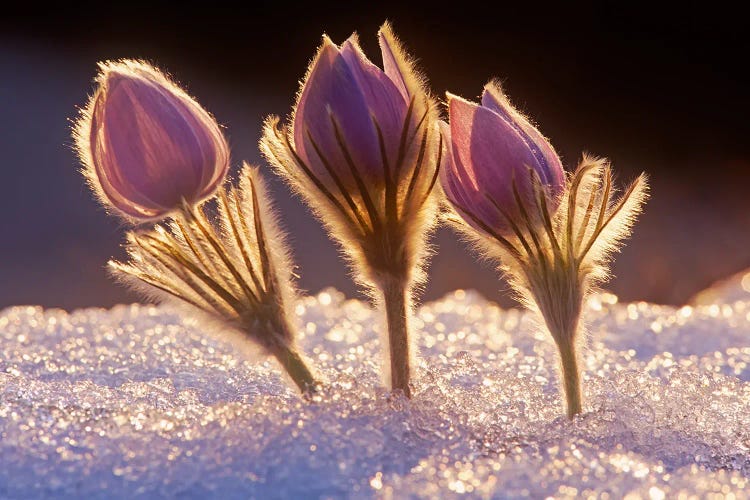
(571, 378)
(396, 310)
(297, 369)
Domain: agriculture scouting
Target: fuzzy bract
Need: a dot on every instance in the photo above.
(232, 270)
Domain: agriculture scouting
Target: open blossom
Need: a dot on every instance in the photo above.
(146, 145)
(362, 146)
(494, 156)
(553, 236)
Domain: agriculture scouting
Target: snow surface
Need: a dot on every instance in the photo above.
(138, 401)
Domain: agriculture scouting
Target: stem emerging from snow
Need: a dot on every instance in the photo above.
(297, 369)
(557, 248)
(560, 299)
(571, 378)
(396, 310)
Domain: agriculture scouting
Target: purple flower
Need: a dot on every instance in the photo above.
(363, 148)
(350, 113)
(505, 180)
(146, 145)
(494, 156)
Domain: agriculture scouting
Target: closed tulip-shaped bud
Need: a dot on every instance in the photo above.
(552, 235)
(363, 148)
(148, 147)
(496, 157)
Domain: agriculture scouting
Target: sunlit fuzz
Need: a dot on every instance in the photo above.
(146, 145)
(552, 235)
(362, 147)
(237, 272)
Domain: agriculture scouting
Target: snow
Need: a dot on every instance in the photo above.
(138, 401)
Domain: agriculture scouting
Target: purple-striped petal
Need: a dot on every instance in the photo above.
(148, 144)
(384, 101)
(331, 93)
(550, 167)
(495, 156)
(394, 65)
(458, 188)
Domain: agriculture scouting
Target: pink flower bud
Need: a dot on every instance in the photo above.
(146, 145)
(553, 237)
(351, 112)
(491, 149)
(364, 150)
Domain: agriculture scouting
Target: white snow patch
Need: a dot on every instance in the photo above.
(137, 401)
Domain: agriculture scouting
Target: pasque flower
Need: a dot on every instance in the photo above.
(493, 151)
(553, 235)
(148, 147)
(363, 148)
(150, 151)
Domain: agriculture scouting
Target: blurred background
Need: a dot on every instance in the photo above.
(656, 89)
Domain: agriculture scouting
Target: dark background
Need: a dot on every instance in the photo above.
(655, 88)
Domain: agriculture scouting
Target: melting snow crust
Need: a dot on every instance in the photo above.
(138, 401)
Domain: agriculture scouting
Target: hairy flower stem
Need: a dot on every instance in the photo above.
(556, 250)
(571, 378)
(295, 366)
(288, 355)
(559, 297)
(562, 320)
(396, 309)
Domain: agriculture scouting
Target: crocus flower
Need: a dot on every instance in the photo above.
(552, 235)
(363, 148)
(151, 152)
(495, 156)
(147, 146)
